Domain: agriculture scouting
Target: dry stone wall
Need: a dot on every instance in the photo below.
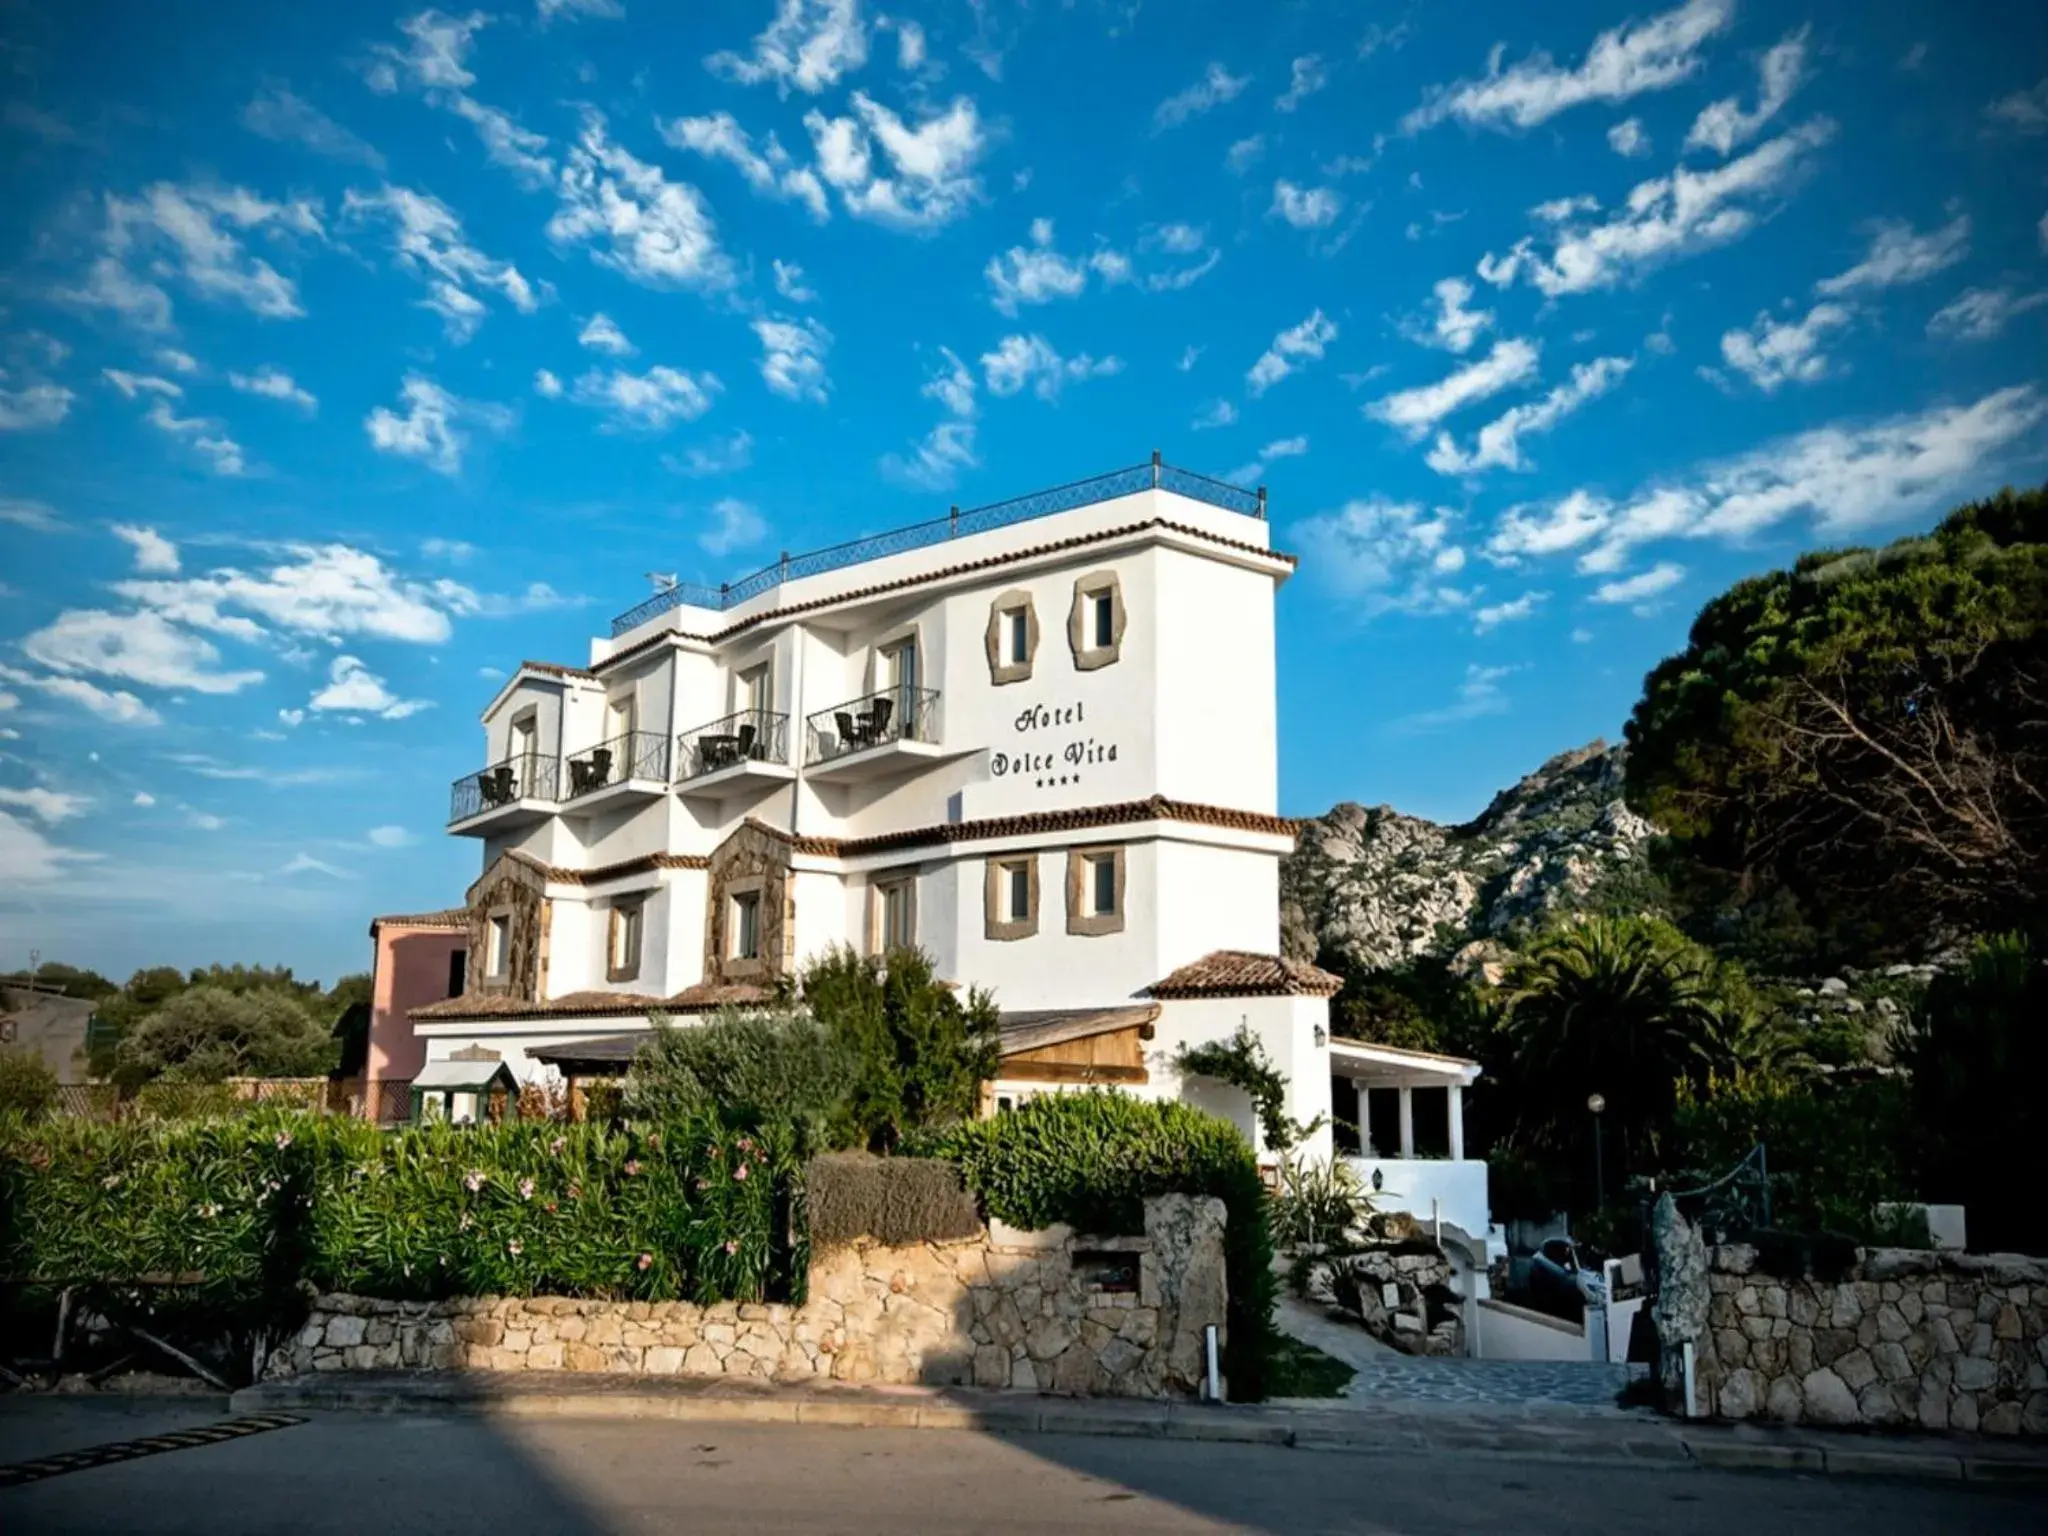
(1908, 1340)
(1045, 1311)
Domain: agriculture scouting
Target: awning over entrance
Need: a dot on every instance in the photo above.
(1077, 1045)
(465, 1076)
(1392, 1066)
(605, 1056)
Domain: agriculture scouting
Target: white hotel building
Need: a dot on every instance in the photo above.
(1035, 739)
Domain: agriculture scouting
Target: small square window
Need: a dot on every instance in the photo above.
(746, 926)
(1102, 886)
(1017, 637)
(1102, 620)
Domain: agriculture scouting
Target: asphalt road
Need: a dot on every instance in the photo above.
(448, 1477)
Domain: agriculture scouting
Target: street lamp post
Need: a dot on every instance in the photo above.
(1597, 1104)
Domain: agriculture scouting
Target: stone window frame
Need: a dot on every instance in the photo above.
(620, 910)
(1087, 655)
(497, 966)
(997, 925)
(1080, 921)
(739, 967)
(1000, 669)
(878, 883)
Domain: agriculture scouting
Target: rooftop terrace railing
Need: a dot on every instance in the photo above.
(1157, 475)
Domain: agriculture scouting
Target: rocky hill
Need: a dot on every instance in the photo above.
(1380, 887)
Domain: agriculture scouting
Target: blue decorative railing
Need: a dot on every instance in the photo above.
(1156, 475)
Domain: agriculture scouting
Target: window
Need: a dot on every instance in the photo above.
(458, 971)
(498, 947)
(621, 716)
(750, 694)
(1095, 623)
(1012, 636)
(1095, 891)
(746, 925)
(622, 945)
(1010, 898)
(895, 913)
(1016, 637)
(525, 747)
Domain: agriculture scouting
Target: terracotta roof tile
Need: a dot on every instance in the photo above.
(449, 917)
(1240, 973)
(698, 998)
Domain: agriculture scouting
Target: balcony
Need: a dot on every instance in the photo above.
(626, 770)
(879, 734)
(738, 754)
(513, 793)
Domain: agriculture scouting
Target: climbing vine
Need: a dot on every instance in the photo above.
(1241, 1062)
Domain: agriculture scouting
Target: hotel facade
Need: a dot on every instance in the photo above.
(1036, 740)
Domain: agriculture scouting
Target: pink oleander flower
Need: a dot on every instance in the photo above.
(466, 1223)
(474, 1180)
(111, 1181)
(526, 1189)
(731, 1246)
(515, 1247)
(209, 1210)
(740, 1172)
(632, 1167)
(654, 1140)
(559, 1145)
(645, 1261)
(550, 1207)
(575, 1191)
(284, 1139)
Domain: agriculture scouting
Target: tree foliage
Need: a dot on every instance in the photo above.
(752, 1065)
(1868, 733)
(27, 1085)
(206, 1033)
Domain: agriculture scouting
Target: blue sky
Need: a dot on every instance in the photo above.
(348, 357)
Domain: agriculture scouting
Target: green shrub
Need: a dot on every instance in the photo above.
(214, 1031)
(1090, 1160)
(27, 1085)
(853, 1195)
(753, 1065)
(1317, 1203)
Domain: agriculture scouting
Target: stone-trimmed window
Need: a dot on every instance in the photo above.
(1095, 891)
(892, 912)
(747, 908)
(1012, 639)
(1010, 897)
(746, 928)
(625, 926)
(498, 946)
(1095, 623)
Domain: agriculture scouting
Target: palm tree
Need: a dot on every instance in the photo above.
(1625, 1008)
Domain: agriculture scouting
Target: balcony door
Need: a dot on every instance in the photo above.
(897, 678)
(525, 753)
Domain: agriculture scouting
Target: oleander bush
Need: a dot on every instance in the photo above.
(1091, 1159)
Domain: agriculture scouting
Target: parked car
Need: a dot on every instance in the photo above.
(1561, 1283)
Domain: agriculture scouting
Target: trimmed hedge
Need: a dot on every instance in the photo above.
(255, 1204)
(849, 1196)
(1091, 1159)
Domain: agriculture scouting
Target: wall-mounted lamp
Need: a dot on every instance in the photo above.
(1322, 1036)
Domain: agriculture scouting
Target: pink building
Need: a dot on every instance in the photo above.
(420, 958)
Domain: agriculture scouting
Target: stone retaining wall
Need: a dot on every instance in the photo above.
(1006, 1309)
(1908, 1339)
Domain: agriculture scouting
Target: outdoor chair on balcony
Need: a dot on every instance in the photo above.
(716, 751)
(599, 768)
(494, 785)
(849, 732)
(743, 744)
(579, 776)
(878, 718)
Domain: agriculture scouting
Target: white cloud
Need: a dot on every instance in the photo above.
(1625, 61)
(455, 551)
(1978, 314)
(546, 384)
(49, 806)
(1020, 361)
(1499, 442)
(204, 821)
(354, 689)
(1662, 219)
(275, 113)
(1306, 78)
(601, 333)
(1254, 472)
(810, 45)
(1291, 349)
(789, 282)
(1774, 352)
(1393, 556)
(1628, 139)
(1416, 410)
(1898, 255)
(275, 384)
(1478, 695)
(144, 798)
(1660, 578)
(1244, 154)
(1305, 207)
(1216, 87)
(207, 435)
(734, 525)
(435, 64)
(1558, 209)
(27, 857)
(155, 555)
(1566, 524)
(2022, 112)
(431, 428)
(330, 591)
(306, 864)
(391, 837)
(428, 240)
(1496, 614)
(793, 357)
(929, 177)
(769, 170)
(176, 361)
(135, 385)
(115, 705)
(935, 462)
(192, 233)
(638, 222)
(35, 516)
(652, 401)
(721, 456)
(292, 717)
(33, 408)
(1219, 413)
(1454, 327)
(1722, 125)
(952, 386)
(1188, 357)
(142, 647)
(1033, 274)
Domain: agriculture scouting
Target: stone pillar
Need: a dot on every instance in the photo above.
(1456, 1094)
(1680, 1310)
(1407, 1121)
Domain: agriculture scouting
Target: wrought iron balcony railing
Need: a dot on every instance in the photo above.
(635, 755)
(515, 779)
(890, 714)
(750, 735)
(1157, 475)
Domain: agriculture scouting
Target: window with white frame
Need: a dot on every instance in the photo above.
(895, 913)
(1012, 638)
(622, 939)
(1010, 897)
(498, 946)
(1095, 891)
(746, 925)
(1095, 622)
